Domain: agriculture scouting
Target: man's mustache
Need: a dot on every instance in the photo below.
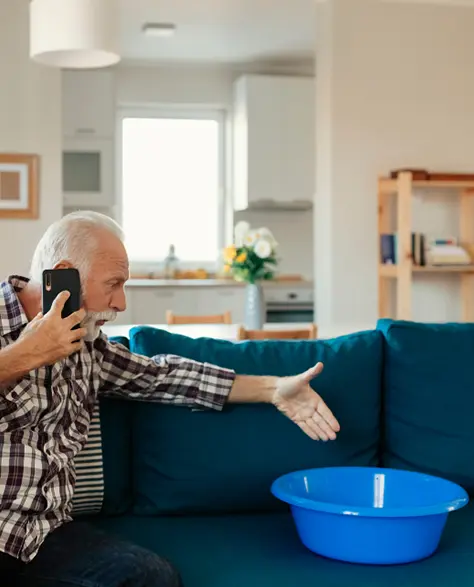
(108, 316)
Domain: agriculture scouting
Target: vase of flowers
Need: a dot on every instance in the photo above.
(252, 259)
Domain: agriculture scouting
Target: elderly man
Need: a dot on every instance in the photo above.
(45, 415)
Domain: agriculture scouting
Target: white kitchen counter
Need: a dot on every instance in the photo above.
(230, 331)
(148, 300)
(180, 283)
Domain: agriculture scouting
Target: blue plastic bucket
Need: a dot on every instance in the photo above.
(369, 515)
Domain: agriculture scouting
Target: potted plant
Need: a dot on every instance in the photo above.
(252, 259)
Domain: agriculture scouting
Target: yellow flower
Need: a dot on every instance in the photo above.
(226, 268)
(229, 254)
(241, 258)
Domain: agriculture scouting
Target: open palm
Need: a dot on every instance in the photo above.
(295, 398)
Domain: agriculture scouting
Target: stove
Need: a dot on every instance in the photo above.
(289, 304)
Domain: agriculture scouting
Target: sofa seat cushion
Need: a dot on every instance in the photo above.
(263, 550)
(205, 461)
(429, 399)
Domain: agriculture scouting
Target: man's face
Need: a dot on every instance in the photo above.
(103, 285)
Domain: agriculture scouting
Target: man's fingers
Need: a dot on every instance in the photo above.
(76, 347)
(307, 430)
(328, 416)
(325, 427)
(37, 318)
(58, 304)
(76, 318)
(310, 374)
(77, 334)
(317, 429)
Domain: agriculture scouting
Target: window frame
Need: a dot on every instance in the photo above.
(204, 112)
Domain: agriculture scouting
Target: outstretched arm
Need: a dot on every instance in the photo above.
(171, 379)
(294, 397)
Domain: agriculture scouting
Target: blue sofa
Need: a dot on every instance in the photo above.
(194, 486)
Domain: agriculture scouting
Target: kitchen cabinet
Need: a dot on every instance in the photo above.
(88, 173)
(148, 305)
(273, 142)
(222, 299)
(88, 138)
(88, 104)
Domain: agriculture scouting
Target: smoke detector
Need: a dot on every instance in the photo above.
(159, 29)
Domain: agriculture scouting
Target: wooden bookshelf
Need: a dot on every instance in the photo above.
(403, 272)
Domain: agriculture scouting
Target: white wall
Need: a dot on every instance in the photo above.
(208, 85)
(30, 114)
(190, 84)
(294, 234)
(395, 89)
(174, 85)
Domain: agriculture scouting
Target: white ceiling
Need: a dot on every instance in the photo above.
(226, 31)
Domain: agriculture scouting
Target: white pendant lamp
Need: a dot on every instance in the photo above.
(74, 34)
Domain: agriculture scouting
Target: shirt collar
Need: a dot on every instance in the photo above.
(12, 315)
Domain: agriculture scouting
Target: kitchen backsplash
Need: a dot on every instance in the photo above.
(294, 233)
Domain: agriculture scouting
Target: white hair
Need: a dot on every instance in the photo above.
(73, 238)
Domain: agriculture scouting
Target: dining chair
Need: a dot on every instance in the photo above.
(309, 333)
(172, 318)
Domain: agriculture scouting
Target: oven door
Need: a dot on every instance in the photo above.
(292, 313)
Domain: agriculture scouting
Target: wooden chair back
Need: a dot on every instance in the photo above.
(297, 334)
(172, 318)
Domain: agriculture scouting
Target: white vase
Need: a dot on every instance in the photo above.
(254, 307)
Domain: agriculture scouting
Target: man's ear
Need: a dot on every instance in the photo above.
(63, 265)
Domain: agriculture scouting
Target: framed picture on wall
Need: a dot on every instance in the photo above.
(19, 185)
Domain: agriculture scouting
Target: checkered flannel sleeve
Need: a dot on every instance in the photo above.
(166, 379)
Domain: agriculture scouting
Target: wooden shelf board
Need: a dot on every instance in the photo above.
(389, 185)
(392, 270)
(388, 270)
(444, 269)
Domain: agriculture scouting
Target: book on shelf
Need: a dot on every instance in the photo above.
(448, 255)
(388, 249)
(418, 248)
(426, 251)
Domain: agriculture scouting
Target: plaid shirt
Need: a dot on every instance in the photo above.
(44, 420)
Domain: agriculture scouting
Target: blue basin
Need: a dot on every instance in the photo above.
(369, 515)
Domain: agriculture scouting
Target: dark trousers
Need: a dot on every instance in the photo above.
(79, 555)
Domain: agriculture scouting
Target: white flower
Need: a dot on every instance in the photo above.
(263, 248)
(241, 230)
(265, 234)
(250, 238)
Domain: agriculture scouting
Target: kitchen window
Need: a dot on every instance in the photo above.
(172, 183)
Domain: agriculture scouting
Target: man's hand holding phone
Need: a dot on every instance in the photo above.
(51, 337)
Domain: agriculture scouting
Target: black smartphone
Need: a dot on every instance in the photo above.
(57, 280)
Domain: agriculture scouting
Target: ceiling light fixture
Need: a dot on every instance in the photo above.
(74, 34)
(159, 29)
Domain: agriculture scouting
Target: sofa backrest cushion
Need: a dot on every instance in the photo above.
(202, 461)
(429, 399)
